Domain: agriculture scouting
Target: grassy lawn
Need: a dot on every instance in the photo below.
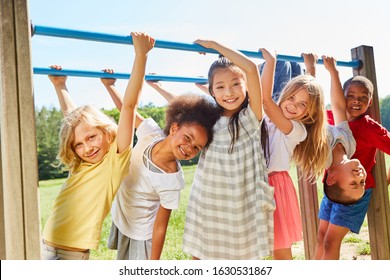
(173, 243)
(172, 249)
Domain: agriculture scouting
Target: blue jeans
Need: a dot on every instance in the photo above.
(284, 72)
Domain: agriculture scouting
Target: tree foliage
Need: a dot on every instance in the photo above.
(385, 112)
(48, 122)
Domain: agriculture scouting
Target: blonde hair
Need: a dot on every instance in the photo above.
(90, 115)
(311, 154)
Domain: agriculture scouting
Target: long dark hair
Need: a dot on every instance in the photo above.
(223, 63)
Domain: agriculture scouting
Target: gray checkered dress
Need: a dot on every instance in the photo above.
(230, 209)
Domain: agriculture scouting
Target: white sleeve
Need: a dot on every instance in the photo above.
(298, 133)
(147, 127)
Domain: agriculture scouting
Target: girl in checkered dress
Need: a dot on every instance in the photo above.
(230, 208)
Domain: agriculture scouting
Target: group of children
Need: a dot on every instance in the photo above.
(243, 203)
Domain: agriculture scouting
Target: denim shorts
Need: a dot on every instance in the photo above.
(51, 253)
(349, 216)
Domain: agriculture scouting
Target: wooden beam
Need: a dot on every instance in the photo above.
(2, 224)
(20, 231)
(28, 145)
(308, 199)
(378, 214)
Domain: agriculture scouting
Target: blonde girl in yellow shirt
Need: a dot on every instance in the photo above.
(97, 153)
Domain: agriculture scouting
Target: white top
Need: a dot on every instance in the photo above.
(340, 133)
(230, 208)
(281, 146)
(142, 191)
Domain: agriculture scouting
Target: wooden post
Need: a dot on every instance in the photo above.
(308, 199)
(379, 211)
(20, 222)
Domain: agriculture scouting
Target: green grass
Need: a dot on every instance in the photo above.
(48, 191)
(364, 249)
(173, 243)
(352, 238)
(172, 248)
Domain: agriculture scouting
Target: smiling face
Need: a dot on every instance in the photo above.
(350, 176)
(90, 143)
(358, 100)
(229, 89)
(187, 140)
(295, 106)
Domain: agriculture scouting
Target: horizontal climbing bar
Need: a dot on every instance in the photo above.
(101, 74)
(120, 39)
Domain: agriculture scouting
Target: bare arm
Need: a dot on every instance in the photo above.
(66, 103)
(142, 45)
(249, 67)
(116, 96)
(203, 88)
(109, 84)
(337, 99)
(157, 86)
(310, 60)
(159, 232)
(271, 109)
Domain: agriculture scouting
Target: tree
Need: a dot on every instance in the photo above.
(48, 124)
(385, 112)
(156, 113)
(113, 113)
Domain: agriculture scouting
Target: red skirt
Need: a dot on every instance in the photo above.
(287, 217)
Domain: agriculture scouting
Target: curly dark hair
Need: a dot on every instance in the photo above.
(193, 109)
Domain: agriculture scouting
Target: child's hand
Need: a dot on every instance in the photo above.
(57, 80)
(154, 84)
(203, 87)
(310, 60)
(268, 55)
(329, 63)
(205, 43)
(142, 42)
(108, 81)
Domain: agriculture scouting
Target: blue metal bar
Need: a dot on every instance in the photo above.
(101, 74)
(117, 39)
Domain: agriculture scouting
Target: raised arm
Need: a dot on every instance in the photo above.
(166, 94)
(109, 84)
(142, 45)
(116, 96)
(337, 99)
(66, 103)
(248, 66)
(310, 60)
(268, 75)
(271, 108)
(203, 87)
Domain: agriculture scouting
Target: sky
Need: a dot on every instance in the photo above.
(330, 27)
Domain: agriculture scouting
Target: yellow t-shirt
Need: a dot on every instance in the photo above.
(85, 200)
